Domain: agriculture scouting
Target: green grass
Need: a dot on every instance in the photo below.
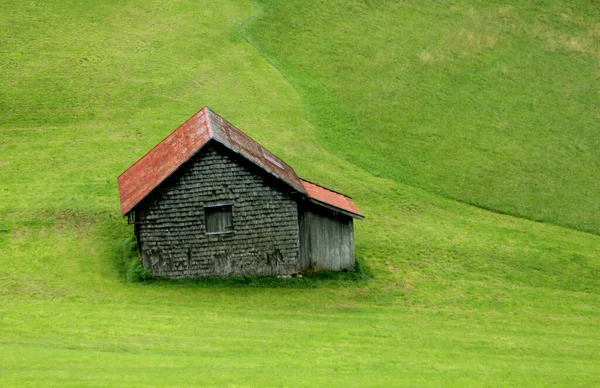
(491, 103)
(456, 295)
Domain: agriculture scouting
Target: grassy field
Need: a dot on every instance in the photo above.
(493, 103)
(418, 111)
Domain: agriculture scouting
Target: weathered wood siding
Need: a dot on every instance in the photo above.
(326, 239)
(172, 229)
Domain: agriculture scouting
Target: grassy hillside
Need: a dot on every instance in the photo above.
(492, 103)
(458, 295)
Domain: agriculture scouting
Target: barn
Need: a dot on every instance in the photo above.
(210, 201)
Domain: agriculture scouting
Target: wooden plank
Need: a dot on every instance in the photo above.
(326, 239)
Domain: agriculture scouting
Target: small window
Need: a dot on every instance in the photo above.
(219, 219)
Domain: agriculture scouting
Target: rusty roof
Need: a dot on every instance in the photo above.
(242, 144)
(183, 143)
(329, 197)
(162, 160)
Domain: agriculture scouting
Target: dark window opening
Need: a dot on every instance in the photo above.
(219, 219)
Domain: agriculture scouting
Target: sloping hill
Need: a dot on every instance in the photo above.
(491, 103)
(458, 295)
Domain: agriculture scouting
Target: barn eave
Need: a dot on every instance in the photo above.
(335, 209)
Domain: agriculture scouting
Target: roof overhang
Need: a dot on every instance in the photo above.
(336, 209)
(330, 199)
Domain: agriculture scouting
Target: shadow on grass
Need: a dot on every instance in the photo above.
(129, 267)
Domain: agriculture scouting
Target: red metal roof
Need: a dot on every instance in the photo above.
(329, 197)
(177, 148)
(161, 161)
(239, 142)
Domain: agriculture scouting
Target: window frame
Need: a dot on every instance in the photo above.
(217, 205)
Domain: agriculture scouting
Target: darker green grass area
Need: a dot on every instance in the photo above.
(320, 279)
(494, 104)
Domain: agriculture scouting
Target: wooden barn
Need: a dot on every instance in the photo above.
(210, 201)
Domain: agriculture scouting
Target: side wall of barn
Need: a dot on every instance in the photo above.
(326, 239)
(172, 228)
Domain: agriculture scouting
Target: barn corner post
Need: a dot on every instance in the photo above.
(131, 220)
(210, 201)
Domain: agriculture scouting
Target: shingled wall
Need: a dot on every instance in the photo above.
(170, 223)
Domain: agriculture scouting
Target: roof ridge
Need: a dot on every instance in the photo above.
(206, 110)
(239, 142)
